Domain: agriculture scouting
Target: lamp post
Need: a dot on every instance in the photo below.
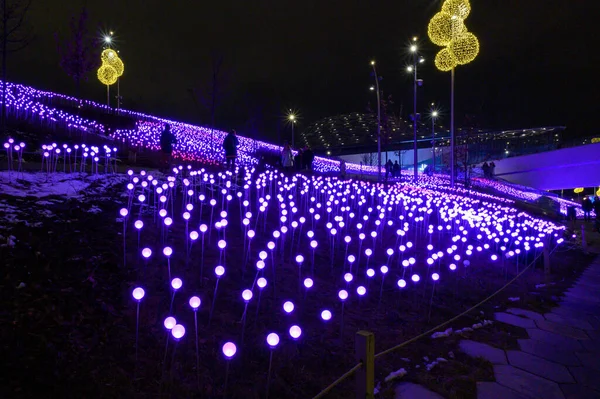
(434, 114)
(292, 119)
(416, 82)
(378, 123)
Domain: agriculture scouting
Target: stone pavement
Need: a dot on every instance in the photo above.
(561, 358)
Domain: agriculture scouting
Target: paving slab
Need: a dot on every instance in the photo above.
(549, 352)
(562, 342)
(561, 329)
(578, 391)
(514, 320)
(493, 390)
(526, 383)
(581, 323)
(538, 366)
(408, 390)
(477, 349)
(589, 359)
(586, 376)
(527, 313)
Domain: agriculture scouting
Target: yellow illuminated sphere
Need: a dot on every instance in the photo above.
(465, 48)
(443, 28)
(107, 75)
(445, 60)
(578, 190)
(460, 8)
(598, 192)
(108, 55)
(118, 65)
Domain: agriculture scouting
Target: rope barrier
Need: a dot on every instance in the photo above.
(444, 324)
(338, 381)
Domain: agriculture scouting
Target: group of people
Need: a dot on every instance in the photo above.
(588, 205)
(489, 170)
(392, 169)
(303, 159)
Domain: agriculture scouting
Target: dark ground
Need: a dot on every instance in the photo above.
(70, 332)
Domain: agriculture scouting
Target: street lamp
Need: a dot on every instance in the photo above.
(378, 122)
(434, 114)
(416, 81)
(292, 119)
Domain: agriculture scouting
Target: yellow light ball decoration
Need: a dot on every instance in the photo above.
(465, 48)
(107, 75)
(108, 55)
(445, 60)
(443, 28)
(598, 192)
(118, 65)
(460, 8)
(578, 190)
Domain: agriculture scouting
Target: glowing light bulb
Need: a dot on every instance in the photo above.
(326, 315)
(176, 283)
(229, 349)
(138, 293)
(295, 332)
(169, 323)
(288, 306)
(273, 340)
(195, 302)
(247, 295)
(219, 271)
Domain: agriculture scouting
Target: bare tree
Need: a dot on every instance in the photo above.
(76, 52)
(210, 95)
(368, 159)
(15, 35)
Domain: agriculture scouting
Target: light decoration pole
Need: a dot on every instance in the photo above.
(447, 29)
(434, 115)
(416, 82)
(378, 122)
(111, 70)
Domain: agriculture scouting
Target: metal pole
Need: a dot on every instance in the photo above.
(108, 95)
(416, 154)
(433, 142)
(118, 95)
(293, 146)
(378, 125)
(452, 129)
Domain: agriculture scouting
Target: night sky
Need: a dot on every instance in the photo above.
(538, 64)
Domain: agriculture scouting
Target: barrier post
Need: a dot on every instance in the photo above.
(364, 347)
(547, 267)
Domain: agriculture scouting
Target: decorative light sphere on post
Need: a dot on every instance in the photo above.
(247, 295)
(107, 75)
(195, 302)
(326, 315)
(465, 48)
(176, 283)
(178, 331)
(219, 271)
(445, 60)
(124, 212)
(273, 340)
(443, 28)
(288, 307)
(146, 252)
(229, 350)
(138, 293)
(169, 323)
(459, 8)
(295, 332)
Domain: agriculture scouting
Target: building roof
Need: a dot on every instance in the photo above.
(357, 132)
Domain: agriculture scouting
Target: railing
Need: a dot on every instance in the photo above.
(364, 344)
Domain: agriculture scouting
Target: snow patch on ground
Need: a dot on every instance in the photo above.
(40, 185)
